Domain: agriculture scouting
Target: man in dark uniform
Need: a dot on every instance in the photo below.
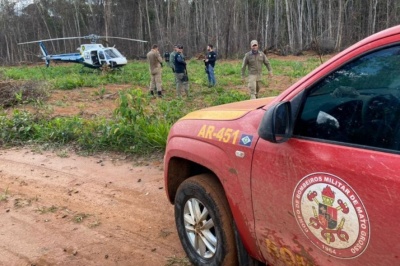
(209, 61)
(180, 72)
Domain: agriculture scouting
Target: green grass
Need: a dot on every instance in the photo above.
(139, 124)
(78, 218)
(294, 69)
(44, 209)
(4, 195)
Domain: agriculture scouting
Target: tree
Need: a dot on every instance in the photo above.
(282, 26)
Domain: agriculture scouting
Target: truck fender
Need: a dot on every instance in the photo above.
(213, 160)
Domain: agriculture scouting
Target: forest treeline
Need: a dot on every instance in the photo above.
(282, 26)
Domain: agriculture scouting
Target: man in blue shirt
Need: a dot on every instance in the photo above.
(209, 61)
(182, 81)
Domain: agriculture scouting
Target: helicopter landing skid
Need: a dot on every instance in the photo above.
(86, 70)
(102, 69)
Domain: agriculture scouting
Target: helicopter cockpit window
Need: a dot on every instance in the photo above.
(101, 55)
(112, 53)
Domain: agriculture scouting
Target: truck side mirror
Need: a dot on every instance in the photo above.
(276, 123)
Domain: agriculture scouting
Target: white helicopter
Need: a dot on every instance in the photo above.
(91, 55)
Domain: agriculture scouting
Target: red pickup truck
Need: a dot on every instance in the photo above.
(310, 177)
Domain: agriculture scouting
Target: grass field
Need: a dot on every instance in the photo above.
(135, 122)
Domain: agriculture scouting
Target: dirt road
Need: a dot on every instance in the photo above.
(59, 210)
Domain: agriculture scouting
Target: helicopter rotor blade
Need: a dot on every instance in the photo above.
(129, 39)
(92, 37)
(55, 39)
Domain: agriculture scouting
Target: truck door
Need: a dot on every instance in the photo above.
(328, 195)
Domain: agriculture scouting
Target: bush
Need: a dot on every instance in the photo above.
(17, 92)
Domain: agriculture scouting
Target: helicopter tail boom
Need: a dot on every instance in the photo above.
(45, 53)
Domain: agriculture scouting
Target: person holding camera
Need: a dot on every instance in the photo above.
(182, 80)
(155, 64)
(209, 61)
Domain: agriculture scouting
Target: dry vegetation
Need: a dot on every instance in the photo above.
(17, 92)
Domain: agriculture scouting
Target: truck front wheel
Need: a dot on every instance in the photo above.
(204, 222)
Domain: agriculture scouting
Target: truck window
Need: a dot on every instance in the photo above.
(358, 103)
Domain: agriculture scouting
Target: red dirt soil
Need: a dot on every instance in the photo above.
(97, 210)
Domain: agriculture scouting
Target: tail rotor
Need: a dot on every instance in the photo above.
(46, 56)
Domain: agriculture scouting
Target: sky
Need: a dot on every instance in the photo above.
(21, 3)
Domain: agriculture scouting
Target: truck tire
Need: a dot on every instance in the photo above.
(204, 222)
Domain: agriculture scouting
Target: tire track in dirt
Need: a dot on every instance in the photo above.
(83, 211)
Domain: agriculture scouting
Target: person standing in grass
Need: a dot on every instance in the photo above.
(155, 64)
(181, 77)
(172, 58)
(254, 60)
(172, 61)
(209, 61)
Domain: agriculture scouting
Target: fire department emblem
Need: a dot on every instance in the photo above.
(331, 215)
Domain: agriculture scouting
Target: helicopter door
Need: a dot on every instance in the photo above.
(102, 58)
(95, 59)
